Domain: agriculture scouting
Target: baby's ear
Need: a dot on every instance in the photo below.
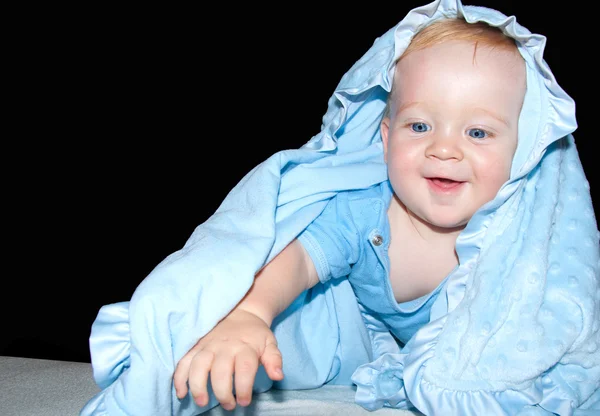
(385, 129)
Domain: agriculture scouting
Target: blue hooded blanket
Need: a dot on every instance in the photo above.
(515, 331)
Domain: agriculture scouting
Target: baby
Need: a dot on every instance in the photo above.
(449, 136)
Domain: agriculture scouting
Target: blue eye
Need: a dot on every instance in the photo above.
(419, 127)
(478, 133)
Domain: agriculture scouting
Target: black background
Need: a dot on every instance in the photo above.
(133, 124)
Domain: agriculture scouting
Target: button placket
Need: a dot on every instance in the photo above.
(378, 242)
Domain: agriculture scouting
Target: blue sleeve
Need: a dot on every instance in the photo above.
(332, 239)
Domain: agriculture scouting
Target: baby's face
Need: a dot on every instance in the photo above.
(452, 131)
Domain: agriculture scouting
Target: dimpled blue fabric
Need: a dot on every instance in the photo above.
(515, 332)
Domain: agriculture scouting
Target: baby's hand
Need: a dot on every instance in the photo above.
(236, 345)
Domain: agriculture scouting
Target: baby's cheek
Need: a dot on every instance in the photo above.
(400, 169)
(404, 157)
(496, 176)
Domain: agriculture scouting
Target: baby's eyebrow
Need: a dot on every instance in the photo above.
(408, 105)
(498, 117)
(490, 113)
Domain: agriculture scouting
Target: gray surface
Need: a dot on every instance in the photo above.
(34, 387)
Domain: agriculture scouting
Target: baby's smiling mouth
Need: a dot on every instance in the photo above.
(444, 184)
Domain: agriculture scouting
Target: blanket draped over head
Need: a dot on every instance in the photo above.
(514, 331)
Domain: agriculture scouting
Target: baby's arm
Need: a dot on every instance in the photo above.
(243, 338)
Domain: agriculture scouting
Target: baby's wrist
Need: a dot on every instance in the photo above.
(260, 313)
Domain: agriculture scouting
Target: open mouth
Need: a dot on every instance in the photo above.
(444, 184)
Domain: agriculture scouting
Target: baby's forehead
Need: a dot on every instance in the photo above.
(503, 66)
(475, 51)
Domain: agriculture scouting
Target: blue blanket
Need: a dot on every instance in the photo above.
(515, 332)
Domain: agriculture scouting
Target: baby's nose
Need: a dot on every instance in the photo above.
(445, 147)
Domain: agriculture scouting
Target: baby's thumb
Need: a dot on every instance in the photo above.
(272, 362)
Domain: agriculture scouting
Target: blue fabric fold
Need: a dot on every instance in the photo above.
(515, 331)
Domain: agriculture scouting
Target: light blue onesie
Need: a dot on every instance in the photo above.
(351, 239)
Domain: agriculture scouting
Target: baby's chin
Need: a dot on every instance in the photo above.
(438, 218)
(445, 224)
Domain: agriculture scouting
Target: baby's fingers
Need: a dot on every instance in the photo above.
(182, 372)
(246, 366)
(221, 377)
(198, 376)
(272, 361)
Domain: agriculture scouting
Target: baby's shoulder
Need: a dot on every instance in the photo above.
(361, 199)
(377, 193)
(367, 207)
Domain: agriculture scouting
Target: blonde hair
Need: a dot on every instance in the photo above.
(453, 29)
